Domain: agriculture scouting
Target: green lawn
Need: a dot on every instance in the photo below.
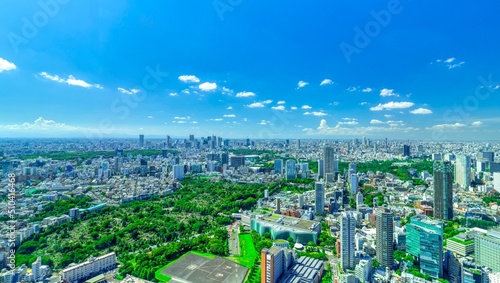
(248, 252)
(467, 242)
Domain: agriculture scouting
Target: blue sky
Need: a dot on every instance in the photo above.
(258, 69)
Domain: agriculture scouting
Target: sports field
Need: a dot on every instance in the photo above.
(195, 268)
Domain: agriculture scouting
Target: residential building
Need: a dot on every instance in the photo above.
(385, 237)
(463, 171)
(320, 198)
(347, 236)
(92, 267)
(443, 190)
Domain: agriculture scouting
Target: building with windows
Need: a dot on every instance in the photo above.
(178, 172)
(328, 157)
(385, 236)
(462, 171)
(487, 249)
(443, 190)
(462, 244)
(425, 241)
(347, 235)
(90, 268)
(320, 197)
(290, 169)
(302, 231)
(278, 166)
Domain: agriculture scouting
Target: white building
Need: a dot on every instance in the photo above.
(496, 181)
(347, 234)
(35, 269)
(92, 267)
(363, 270)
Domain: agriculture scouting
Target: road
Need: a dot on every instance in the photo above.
(233, 240)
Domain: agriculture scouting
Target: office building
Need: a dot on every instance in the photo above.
(320, 197)
(237, 161)
(461, 244)
(224, 158)
(290, 169)
(463, 171)
(278, 166)
(443, 191)
(328, 157)
(347, 234)
(354, 183)
(278, 206)
(302, 231)
(90, 268)
(487, 249)
(178, 172)
(385, 237)
(321, 168)
(425, 241)
(141, 141)
(488, 155)
(406, 150)
(272, 264)
(496, 181)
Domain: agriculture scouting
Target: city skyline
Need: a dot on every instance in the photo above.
(120, 69)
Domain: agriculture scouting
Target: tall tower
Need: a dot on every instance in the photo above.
(443, 190)
(35, 267)
(290, 169)
(462, 171)
(385, 237)
(141, 141)
(328, 157)
(320, 198)
(278, 166)
(347, 233)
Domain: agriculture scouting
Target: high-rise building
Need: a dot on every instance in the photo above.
(443, 190)
(278, 206)
(424, 240)
(178, 172)
(321, 167)
(385, 237)
(406, 150)
(224, 158)
(462, 171)
(290, 169)
(347, 233)
(141, 141)
(489, 155)
(328, 157)
(237, 161)
(278, 166)
(169, 142)
(354, 183)
(272, 264)
(320, 197)
(487, 249)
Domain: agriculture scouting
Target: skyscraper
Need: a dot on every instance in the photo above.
(178, 172)
(321, 167)
(425, 241)
(141, 141)
(320, 198)
(462, 171)
(35, 267)
(385, 237)
(290, 169)
(406, 150)
(347, 233)
(328, 157)
(354, 183)
(443, 190)
(272, 264)
(278, 166)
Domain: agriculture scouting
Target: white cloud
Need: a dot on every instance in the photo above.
(339, 130)
(189, 79)
(245, 94)
(366, 89)
(293, 108)
(388, 116)
(41, 124)
(6, 65)
(349, 119)
(267, 101)
(306, 107)
(206, 86)
(185, 91)
(173, 94)
(194, 122)
(281, 102)
(350, 123)
(301, 84)
(326, 82)
(150, 117)
(316, 113)
(477, 124)
(182, 118)
(385, 92)
(229, 116)
(218, 119)
(363, 103)
(229, 108)
(264, 122)
(256, 105)
(376, 122)
(447, 126)
(279, 107)
(128, 91)
(351, 88)
(450, 62)
(227, 91)
(71, 80)
(421, 111)
(392, 105)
